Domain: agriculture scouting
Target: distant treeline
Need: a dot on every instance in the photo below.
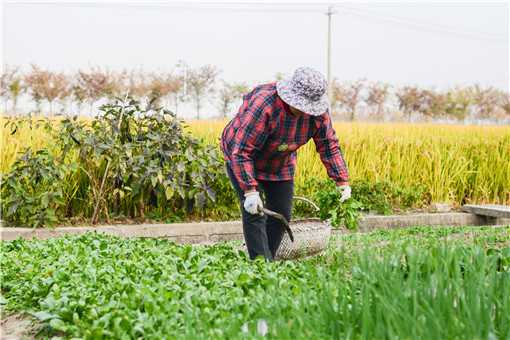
(351, 100)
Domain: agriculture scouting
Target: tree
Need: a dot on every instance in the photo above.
(78, 94)
(486, 101)
(347, 96)
(134, 82)
(459, 100)
(47, 85)
(377, 95)
(432, 104)
(99, 84)
(228, 94)
(176, 94)
(65, 92)
(409, 100)
(200, 82)
(35, 83)
(162, 85)
(11, 86)
(505, 102)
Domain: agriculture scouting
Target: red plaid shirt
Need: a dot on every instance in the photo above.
(260, 142)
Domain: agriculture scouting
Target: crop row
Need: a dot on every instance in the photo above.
(428, 283)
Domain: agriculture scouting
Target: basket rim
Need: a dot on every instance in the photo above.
(309, 219)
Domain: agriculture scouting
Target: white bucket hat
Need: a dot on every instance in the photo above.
(306, 90)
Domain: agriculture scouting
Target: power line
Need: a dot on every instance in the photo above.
(422, 23)
(268, 7)
(482, 36)
(179, 6)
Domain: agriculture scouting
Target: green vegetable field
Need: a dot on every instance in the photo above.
(418, 283)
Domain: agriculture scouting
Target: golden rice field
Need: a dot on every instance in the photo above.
(451, 161)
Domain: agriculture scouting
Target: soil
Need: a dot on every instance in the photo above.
(17, 326)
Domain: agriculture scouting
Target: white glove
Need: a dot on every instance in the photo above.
(253, 203)
(345, 192)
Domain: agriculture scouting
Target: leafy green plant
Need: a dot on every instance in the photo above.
(381, 197)
(426, 283)
(128, 161)
(346, 213)
(373, 196)
(152, 163)
(32, 193)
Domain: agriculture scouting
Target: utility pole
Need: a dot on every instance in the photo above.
(329, 13)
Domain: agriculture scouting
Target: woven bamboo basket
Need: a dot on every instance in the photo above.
(311, 237)
(305, 237)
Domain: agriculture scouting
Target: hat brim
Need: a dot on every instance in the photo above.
(314, 108)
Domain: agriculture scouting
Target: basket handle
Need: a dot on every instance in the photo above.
(304, 199)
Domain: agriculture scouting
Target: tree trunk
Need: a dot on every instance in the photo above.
(176, 104)
(65, 105)
(14, 104)
(78, 108)
(379, 110)
(225, 109)
(198, 108)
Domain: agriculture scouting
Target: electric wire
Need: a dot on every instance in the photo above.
(277, 7)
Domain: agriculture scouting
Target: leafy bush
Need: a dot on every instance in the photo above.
(32, 191)
(373, 196)
(383, 197)
(151, 160)
(128, 161)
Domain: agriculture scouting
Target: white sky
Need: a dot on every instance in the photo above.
(428, 44)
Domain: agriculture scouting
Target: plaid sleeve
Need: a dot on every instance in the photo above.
(249, 138)
(327, 146)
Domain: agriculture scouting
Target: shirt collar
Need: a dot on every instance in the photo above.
(284, 105)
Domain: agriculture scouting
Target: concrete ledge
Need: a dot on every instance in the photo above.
(370, 223)
(493, 210)
(211, 232)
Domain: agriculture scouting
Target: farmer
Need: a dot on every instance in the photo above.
(259, 146)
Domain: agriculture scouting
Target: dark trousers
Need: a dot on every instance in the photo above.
(263, 234)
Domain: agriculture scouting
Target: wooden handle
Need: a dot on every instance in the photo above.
(282, 219)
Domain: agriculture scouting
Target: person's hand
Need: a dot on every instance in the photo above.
(253, 203)
(345, 192)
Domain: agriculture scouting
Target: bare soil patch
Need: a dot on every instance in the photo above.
(18, 326)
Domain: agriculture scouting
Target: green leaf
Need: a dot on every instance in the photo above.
(43, 316)
(169, 192)
(58, 325)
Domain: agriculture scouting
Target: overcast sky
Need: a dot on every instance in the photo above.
(428, 44)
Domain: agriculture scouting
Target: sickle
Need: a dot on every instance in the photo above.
(281, 218)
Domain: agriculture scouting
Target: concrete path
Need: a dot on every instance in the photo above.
(211, 232)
